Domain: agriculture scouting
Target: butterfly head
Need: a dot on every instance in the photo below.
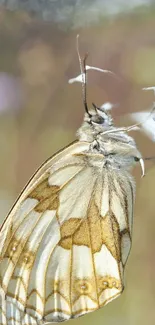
(100, 117)
(116, 145)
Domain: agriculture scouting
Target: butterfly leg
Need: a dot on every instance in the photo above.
(95, 145)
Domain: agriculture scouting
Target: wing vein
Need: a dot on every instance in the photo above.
(71, 267)
(15, 264)
(110, 182)
(93, 263)
(15, 230)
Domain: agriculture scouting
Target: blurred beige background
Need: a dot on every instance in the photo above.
(40, 113)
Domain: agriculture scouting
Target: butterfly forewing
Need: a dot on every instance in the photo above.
(65, 243)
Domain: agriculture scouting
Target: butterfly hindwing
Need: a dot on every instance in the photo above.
(67, 239)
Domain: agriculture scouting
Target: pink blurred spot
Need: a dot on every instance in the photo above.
(11, 92)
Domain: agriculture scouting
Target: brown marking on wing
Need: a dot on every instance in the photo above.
(111, 235)
(100, 230)
(46, 195)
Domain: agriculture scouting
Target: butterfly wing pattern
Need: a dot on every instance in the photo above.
(66, 241)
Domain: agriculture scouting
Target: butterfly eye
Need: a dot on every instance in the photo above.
(136, 159)
(97, 119)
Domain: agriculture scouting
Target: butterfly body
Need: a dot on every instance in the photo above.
(65, 243)
(118, 148)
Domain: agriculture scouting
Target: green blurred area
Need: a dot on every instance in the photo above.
(42, 58)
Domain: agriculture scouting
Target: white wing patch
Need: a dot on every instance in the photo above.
(60, 178)
(77, 203)
(66, 241)
(109, 265)
(105, 200)
(82, 262)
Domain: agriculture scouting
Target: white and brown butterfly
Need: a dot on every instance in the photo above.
(65, 243)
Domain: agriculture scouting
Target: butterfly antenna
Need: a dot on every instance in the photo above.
(150, 158)
(84, 77)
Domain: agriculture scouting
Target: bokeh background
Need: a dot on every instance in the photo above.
(40, 112)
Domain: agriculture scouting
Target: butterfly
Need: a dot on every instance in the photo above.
(65, 243)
